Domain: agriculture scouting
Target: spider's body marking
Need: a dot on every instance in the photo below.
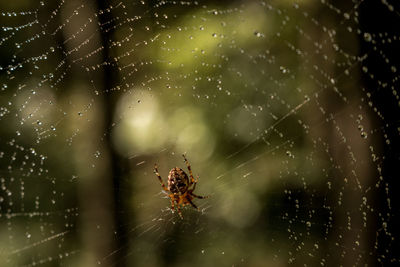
(178, 181)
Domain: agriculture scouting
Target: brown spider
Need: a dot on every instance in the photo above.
(179, 187)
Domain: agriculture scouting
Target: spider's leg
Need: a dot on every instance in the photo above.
(172, 203)
(194, 184)
(177, 199)
(191, 203)
(179, 211)
(190, 169)
(159, 178)
(201, 197)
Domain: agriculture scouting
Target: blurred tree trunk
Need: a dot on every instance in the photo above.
(118, 166)
(347, 152)
(377, 20)
(99, 167)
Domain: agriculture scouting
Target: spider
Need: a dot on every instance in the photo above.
(179, 185)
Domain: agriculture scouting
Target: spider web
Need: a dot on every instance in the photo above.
(287, 112)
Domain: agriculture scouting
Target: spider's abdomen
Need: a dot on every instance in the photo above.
(178, 181)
